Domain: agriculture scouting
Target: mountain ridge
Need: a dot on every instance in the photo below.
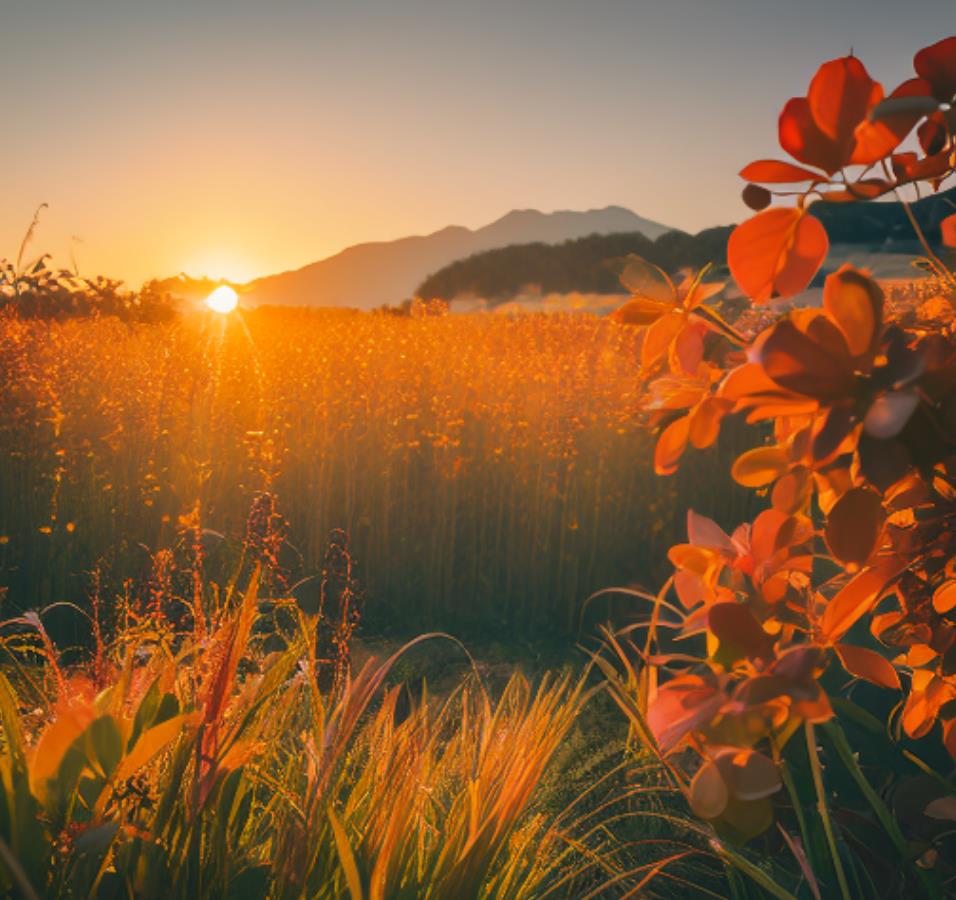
(377, 273)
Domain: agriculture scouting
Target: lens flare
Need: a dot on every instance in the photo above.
(223, 299)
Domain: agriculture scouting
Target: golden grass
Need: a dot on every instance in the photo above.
(490, 470)
(197, 764)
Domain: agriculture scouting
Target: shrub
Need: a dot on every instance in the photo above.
(818, 684)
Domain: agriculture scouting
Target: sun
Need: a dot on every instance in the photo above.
(223, 299)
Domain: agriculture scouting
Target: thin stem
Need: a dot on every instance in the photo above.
(938, 265)
(824, 811)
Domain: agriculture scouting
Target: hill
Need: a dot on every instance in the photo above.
(588, 264)
(884, 222)
(387, 272)
(591, 264)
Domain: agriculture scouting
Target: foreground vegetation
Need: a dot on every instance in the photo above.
(221, 759)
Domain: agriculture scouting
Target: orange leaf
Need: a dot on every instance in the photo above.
(937, 64)
(704, 532)
(840, 96)
(820, 129)
(705, 421)
(708, 792)
(691, 589)
(761, 466)
(800, 136)
(868, 664)
(797, 362)
(857, 598)
(749, 775)
(687, 350)
(791, 493)
(855, 303)
(776, 253)
(890, 122)
(670, 446)
(644, 279)
(771, 171)
(854, 526)
(948, 229)
(72, 717)
(658, 337)
(640, 311)
(949, 737)
(684, 704)
(944, 597)
(739, 633)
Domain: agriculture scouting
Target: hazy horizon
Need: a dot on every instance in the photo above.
(237, 140)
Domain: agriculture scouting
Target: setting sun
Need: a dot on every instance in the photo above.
(223, 299)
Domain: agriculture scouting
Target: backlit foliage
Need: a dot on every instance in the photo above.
(198, 762)
(850, 573)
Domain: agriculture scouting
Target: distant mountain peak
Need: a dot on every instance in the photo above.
(379, 273)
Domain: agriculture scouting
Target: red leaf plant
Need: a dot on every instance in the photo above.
(852, 567)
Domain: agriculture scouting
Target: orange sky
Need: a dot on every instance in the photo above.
(237, 139)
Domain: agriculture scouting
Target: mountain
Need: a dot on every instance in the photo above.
(589, 265)
(387, 272)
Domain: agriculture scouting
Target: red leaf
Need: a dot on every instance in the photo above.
(948, 229)
(771, 171)
(704, 532)
(856, 598)
(869, 665)
(705, 421)
(708, 792)
(909, 167)
(682, 705)
(761, 466)
(854, 526)
(776, 253)
(670, 446)
(877, 138)
(640, 311)
(803, 140)
(855, 303)
(796, 362)
(932, 134)
(840, 96)
(749, 775)
(739, 633)
(889, 413)
(944, 597)
(937, 64)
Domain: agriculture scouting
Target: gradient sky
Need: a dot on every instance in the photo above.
(237, 139)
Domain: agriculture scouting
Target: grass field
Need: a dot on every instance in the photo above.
(490, 471)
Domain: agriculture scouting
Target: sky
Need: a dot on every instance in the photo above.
(237, 139)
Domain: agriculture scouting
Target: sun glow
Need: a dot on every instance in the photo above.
(223, 299)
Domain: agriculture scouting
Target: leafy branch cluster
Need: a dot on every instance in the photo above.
(852, 566)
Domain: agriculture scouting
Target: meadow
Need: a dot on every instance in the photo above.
(184, 718)
(491, 472)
